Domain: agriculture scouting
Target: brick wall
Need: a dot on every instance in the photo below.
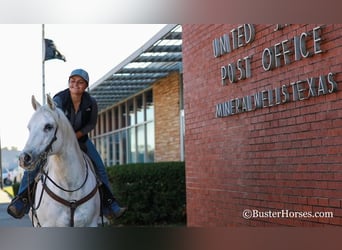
(279, 157)
(167, 126)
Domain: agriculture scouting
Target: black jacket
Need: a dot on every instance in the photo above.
(85, 119)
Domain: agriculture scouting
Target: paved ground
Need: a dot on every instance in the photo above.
(8, 221)
(5, 219)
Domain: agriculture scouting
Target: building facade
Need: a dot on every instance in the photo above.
(263, 118)
(254, 110)
(140, 104)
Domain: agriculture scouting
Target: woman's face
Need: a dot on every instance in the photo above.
(77, 85)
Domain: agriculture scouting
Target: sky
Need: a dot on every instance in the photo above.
(97, 48)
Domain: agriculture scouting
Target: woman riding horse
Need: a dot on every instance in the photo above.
(81, 110)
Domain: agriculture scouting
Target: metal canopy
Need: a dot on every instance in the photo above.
(160, 56)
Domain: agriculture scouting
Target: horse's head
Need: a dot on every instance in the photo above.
(43, 133)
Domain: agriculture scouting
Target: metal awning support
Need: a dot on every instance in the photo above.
(160, 56)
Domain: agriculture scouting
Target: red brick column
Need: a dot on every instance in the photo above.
(283, 157)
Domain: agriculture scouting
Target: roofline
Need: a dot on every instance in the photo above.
(135, 54)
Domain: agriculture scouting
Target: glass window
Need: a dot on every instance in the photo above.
(131, 114)
(123, 147)
(140, 109)
(99, 124)
(117, 148)
(116, 118)
(129, 129)
(109, 120)
(150, 142)
(111, 150)
(141, 143)
(123, 115)
(104, 150)
(104, 118)
(149, 106)
(131, 149)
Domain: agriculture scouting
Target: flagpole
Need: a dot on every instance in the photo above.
(43, 63)
(49, 51)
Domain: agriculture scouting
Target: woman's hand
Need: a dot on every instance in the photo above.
(79, 134)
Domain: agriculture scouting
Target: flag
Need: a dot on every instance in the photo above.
(51, 51)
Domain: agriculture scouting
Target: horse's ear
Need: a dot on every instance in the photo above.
(50, 102)
(35, 103)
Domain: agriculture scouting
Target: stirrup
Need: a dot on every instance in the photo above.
(111, 215)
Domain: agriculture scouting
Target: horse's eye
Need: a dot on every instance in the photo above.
(48, 127)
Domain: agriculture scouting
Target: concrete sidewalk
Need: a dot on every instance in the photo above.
(5, 219)
(4, 197)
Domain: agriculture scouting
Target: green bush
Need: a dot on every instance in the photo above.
(15, 187)
(153, 192)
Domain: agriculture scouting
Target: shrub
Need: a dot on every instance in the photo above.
(153, 192)
(15, 187)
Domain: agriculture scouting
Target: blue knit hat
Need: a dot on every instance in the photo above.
(82, 73)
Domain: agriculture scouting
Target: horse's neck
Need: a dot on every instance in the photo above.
(68, 167)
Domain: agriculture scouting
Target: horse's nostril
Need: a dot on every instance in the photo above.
(27, 158)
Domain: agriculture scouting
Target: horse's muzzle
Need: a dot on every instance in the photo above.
(25, 160)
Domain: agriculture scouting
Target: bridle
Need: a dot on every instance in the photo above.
(40, 164)
(43, 176)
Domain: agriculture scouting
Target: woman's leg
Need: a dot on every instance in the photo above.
(27, 179)
(101, 171)
(19, 206)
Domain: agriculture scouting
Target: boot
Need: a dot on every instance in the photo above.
(20, 206)
(111, 208)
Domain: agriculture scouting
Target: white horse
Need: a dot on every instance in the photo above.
(67, 190)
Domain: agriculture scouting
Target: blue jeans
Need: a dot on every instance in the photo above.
(99, 168)
(24, 181)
